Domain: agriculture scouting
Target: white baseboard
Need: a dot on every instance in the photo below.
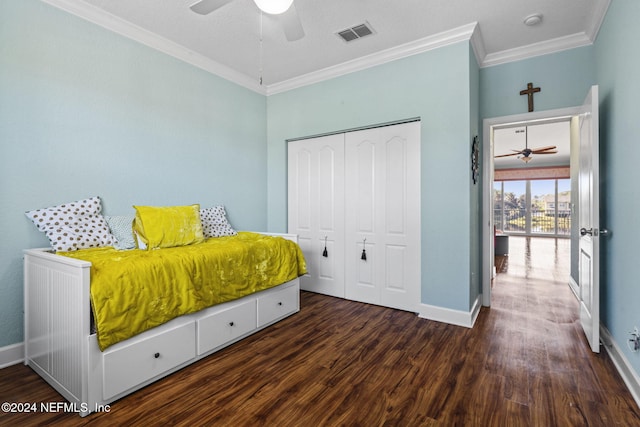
(626, 371)
(11, 355)
(450, 316)
(573, 285)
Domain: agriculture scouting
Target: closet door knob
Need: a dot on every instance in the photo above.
(230, 323)
(280, 303)
(157, 355)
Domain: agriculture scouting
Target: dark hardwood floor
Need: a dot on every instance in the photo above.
(525, 363)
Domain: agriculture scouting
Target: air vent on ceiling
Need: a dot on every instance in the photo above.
(356, 32)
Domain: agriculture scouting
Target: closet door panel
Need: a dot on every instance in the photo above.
(361, 219)
(316, 195)
(327, 265)
(364, 287)
(362, 186)
(302, 190)
(396, 265)
(402, 231)
(329, 202)
(383, 207)
(361, 275)
(327, 189)
(395, 186)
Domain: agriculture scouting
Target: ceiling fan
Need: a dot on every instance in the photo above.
(285, 9)
(526, 152)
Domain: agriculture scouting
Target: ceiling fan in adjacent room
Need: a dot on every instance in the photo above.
(285, 9)
(525, 153)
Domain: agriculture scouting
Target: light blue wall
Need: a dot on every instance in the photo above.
(434, 86)
(564, 79)
(617, 54)
(86, 112)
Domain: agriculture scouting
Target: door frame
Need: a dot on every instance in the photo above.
(487, 181)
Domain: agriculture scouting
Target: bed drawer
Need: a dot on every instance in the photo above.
(224, 326)
(130, 365)
(275, 305)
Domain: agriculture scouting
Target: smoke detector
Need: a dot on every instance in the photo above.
(533, 20)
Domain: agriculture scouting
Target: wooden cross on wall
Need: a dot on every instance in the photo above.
(529, 91)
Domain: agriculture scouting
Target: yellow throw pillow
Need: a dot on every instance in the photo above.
(168, 226)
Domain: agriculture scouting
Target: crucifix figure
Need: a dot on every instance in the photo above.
(529, 91)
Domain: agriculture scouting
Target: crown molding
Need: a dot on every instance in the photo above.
(477, 43)
(536, 49)
(436, 41)
(598, 17)
(127, 29)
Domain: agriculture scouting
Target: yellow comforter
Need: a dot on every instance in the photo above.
(132, 291)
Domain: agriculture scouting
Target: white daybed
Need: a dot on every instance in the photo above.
(60, 346)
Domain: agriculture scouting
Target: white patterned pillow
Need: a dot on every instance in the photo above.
(73, 226)
(214, 222)
(122, 229)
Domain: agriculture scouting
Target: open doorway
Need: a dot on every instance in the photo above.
(532, 197)
(527, 191)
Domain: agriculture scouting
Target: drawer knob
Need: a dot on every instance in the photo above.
(157, 355)
(231, 323)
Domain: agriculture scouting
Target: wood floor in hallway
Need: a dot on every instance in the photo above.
(542, 258)
(342, 363)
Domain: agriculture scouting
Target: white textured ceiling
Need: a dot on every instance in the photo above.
(229, 38)
(507, 139)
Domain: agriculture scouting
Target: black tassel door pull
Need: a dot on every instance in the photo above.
(325, 253)
(364, 252)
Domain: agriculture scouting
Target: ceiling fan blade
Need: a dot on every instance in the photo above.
(549, 147)
(545, 152)
(507, 155)
(291, 24)
(204, 7)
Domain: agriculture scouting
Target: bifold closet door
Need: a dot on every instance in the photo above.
(316, 210)
(382, 216)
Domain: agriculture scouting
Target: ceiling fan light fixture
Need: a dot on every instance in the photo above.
(526, 159)
(273, 7)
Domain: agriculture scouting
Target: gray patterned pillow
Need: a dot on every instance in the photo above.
(73, 226)
(214, 222)
(122, 229)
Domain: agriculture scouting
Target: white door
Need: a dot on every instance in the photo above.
(316, 210)
(589, 221)
(382, 222)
